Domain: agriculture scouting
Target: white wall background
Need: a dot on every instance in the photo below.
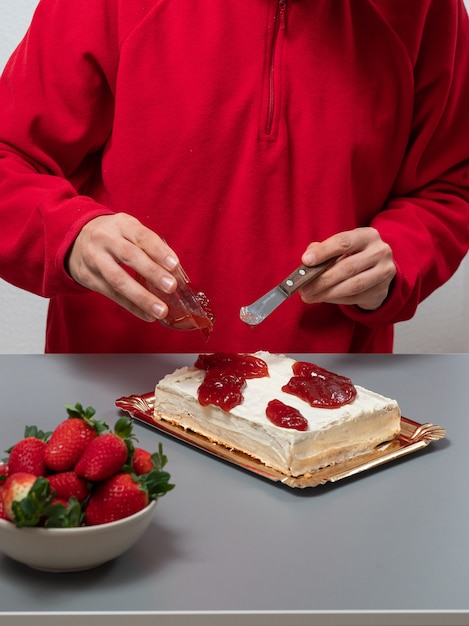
(441, 323)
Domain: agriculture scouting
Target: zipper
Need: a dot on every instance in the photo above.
(279, 25)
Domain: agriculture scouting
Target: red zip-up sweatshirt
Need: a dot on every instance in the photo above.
(240, 132)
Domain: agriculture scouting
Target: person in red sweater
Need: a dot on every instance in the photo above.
(237, 139)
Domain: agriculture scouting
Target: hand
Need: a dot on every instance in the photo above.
(108, 242)
(362, 275)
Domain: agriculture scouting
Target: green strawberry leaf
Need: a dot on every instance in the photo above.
(156, 482)
(57, 515)
(159, 459)
(79, 411)
(34, 431)
(123, 429)
(87, 415)
(31, 431)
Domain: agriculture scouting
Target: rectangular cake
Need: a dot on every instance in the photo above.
(327, 434)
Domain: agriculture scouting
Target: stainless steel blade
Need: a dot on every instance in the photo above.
(256, 312)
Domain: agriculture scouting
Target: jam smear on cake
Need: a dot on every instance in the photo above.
(225, 377)
(245, 365)
(221, 388)
(285, 416)
(319, 387)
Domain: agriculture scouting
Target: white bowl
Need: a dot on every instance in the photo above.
(73, 549)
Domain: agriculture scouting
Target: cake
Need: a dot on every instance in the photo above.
(292, 416)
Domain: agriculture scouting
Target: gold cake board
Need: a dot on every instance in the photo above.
(412, 437)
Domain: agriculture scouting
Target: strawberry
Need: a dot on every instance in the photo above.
(68, 484)
(15, 491)
(141, 461)
(117, 497)
(71, 437)
(125, 493)
(28, 500)
(107, 454)
(28, 454)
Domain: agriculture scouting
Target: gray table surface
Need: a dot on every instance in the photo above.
(389, 546)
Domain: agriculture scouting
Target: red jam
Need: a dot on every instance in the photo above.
(221, 388)
(319, 387)
(188, 310)
(225, 378)
(285, 416)
(181, 318)
(245, 365)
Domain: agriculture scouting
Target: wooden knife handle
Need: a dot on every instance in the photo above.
(304, 274)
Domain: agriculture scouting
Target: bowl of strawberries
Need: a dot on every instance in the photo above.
(79, 496)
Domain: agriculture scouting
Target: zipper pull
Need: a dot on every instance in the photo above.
(282, 9)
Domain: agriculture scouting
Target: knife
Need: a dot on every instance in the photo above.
(256, 312)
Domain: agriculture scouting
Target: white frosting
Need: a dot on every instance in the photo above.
(333, 435)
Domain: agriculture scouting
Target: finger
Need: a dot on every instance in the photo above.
(342, 244)
(135, 298)
(129, 243)
(113, 281)
(367, 288)
(338, 245)
(344, 269)
(137, 247)
(369, 299)
(147, 240)
(109, 244)
(132, 256)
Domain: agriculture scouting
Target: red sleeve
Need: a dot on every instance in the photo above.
(426, 221)
(56, 103)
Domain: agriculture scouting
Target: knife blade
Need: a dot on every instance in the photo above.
(256, 312)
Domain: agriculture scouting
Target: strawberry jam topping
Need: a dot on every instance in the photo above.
(319, 387)
(245, 365)
(285, 416)
(225, 378)
(221, 388)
